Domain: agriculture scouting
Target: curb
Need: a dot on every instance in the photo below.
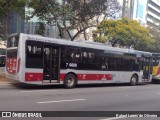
(5, 83)
(9, 83)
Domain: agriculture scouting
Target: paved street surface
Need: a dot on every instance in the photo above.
(109, 97)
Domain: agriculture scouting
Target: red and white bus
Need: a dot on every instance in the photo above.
(40, 60)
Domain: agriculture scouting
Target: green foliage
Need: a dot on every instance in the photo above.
(73, 14)
(7, 6)
(2, 35)
(155, 34)
(17, 6)
(40, 30)
(124, 32)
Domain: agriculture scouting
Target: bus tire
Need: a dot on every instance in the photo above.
(70, 81)
(134, 80)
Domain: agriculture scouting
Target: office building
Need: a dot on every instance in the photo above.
(153, 15)
(147, 12)
(16, 23)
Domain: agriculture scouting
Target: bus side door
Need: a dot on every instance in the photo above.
(147, 68)
(51, 63)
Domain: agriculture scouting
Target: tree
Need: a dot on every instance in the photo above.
(155, 34)
(40, 30)
(124, 32)
(7, 6)
(74, 14)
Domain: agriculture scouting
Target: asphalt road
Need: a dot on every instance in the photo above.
(109, 97)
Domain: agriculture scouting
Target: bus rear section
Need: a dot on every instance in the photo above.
(12, 61)
(31, 61)
(156, 67)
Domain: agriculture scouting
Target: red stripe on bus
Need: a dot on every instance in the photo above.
(33, 77)
(94, 77)
(90, 76)
(39, 76)
(62, 75)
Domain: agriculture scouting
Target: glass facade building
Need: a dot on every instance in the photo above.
(16, 23)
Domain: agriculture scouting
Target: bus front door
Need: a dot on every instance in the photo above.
(51, 64)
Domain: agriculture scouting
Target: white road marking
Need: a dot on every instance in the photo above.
(113, 118)
(63, 101)
(37, 90)
(125, 87)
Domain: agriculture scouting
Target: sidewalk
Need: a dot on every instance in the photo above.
(3, 79)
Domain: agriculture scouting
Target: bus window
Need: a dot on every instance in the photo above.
(2, 57)
(84, 57)
(104, 63)
(90, 59)
(34, 54)
(12, 53)
(2, 51)
(2, 61)
(70, 54)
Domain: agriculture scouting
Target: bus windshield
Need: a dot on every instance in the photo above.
(12, 41)
(12, 45)
(2, 51)
(156, 58)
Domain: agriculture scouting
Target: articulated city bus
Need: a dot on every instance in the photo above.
(40, 60)
(156, 67)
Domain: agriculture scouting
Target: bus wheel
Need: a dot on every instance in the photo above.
(134, 80)
(70, 81)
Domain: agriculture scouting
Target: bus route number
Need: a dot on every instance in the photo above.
(71, 64)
